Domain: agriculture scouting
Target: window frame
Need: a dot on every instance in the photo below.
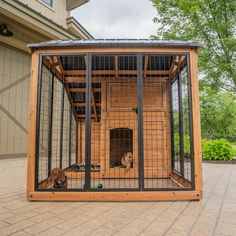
(46, 2)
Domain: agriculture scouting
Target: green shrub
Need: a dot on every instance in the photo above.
(218, 149)
(234, 149)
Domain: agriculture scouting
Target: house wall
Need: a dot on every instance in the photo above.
(56, 13)
(14, 82)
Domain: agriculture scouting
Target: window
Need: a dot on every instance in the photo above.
(49, 2)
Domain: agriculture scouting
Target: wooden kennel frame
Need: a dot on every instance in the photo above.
(132, 89)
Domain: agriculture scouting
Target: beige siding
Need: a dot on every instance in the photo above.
(57, 13)
(14, 80)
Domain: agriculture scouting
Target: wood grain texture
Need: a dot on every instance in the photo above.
(32, 124)
(196, 122)
(115, 196)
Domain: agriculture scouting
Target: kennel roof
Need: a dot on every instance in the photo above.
(115, 43)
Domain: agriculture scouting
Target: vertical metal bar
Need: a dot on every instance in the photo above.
(76, 144)
(140, 121)
(181, 127)
(40, 72)
(70, 120)
(172, 128)
(62, 120)
(50, 124)
(190, 121)
(88, 123)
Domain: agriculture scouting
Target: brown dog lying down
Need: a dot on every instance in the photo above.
(57, 179)
(126, 160)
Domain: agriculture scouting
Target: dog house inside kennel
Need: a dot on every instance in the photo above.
(114, 120)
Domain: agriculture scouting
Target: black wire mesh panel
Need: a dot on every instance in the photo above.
(107, 122)
(66, 131)
(114, 150)
(182, 153)
(176, 137)
(73, 136)
(156, 125)
(75, 79)
(186, 125)
(57, 123)
(44, 124)
(175, 131)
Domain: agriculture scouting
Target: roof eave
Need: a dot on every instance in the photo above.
(115, 43)
(72, 4)
(77, 29)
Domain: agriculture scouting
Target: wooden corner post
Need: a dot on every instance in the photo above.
(197, 148)
(32, 124)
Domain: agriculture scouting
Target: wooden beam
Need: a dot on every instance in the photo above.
(83, 90)
(113, 72)
(56, 64)
(116, 67)
(94, 105)
(76, 79)
(49, 64)
(176, 64)
(32, 124)
(83, 104)
(83, 116)
(197, 150)
(145, 66)
(114, 196)
(60, 65)
(180, 180)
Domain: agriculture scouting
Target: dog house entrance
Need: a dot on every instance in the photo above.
(121, 143)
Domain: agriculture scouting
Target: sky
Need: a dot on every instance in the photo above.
(117, 18)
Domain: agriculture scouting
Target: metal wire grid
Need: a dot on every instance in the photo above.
(66, 131)
(56, 123)
(57, 127)
(175, 131)
(114, 118)
(44, 124)
(186, 124)
(181, 135)
(156, 125)
(73, 137)
(77, 92)
(117, 134)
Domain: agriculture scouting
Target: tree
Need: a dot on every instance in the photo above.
(213, 23)
(218, 114)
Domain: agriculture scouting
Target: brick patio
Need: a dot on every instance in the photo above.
(214, 215)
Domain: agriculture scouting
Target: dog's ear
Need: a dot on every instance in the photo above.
(54, 173)
(61, 175)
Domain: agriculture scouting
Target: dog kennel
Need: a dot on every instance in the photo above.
(119, 119)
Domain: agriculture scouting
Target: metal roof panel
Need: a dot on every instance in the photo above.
(115, 43)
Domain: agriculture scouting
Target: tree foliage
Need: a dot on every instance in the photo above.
(218, 114)
(213, 23)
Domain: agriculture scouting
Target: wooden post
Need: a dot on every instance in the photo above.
(32, 124)
(197, 149)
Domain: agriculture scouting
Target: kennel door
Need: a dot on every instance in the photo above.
(121, 127)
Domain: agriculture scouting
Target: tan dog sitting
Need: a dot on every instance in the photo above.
(57, 179)
(126, 160)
